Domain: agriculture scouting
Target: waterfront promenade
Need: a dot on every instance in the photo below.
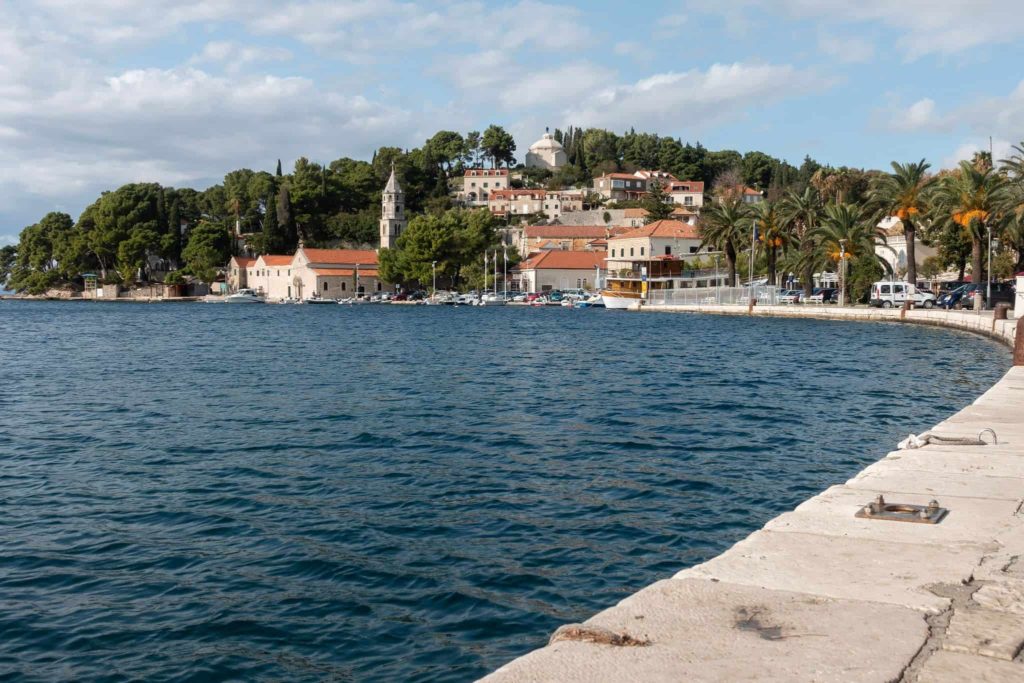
(819, 594)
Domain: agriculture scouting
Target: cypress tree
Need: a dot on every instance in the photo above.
(273, 240)
(285, 221)
(278, 168)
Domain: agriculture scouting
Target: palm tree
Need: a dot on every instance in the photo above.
(723, 226)
(801, 214)
(846, 231)
(969, 198)
(904, 194)
(1012, 202)
(772, 235)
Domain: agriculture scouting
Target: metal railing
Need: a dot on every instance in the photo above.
(764, 295)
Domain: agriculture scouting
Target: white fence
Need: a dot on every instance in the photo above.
(763, 295)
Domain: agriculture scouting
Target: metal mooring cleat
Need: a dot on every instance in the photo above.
(902, 512)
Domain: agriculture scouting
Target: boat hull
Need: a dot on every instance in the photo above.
(620, 300)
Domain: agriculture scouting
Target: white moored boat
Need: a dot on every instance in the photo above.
(244, 296)
(619, 298)
(319, 300)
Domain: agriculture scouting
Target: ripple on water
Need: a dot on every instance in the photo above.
(293, 493)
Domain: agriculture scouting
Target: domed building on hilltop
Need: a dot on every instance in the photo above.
(546, 153)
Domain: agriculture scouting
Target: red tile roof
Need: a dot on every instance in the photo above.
(243, 261)
(686, 186)
(664, 228)
(564, 260)
(565, 231)
(341, 256)
(345, 272)
(635, 213)
(276, 259)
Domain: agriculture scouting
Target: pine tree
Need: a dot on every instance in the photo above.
(278, 168)
(658, 204)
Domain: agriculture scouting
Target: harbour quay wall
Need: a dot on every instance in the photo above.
(819, 594)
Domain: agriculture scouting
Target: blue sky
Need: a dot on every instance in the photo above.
(96, 93)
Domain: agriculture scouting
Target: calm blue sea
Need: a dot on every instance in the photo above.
(201, 493)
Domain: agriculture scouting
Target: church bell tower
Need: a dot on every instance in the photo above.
(392, 212)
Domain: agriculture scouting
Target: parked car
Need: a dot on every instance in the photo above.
(1002, 293)
(952, 298)
(555, 296)
(889, 293)
(790, 296)
(520, 297)
(821, 295)
(532, 296)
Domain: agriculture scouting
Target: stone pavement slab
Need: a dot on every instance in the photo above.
(985, 632)
(993, 461)
(838, 567)
(1005, 595)
(969, 522)
(711, 631)
(951, 667)
(882, 477)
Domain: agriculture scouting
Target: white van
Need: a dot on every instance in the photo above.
(889, 293)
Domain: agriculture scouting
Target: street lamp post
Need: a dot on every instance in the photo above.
(842, 272)
(718, 291)
(988, 284)
(357, 280)
(433, 271)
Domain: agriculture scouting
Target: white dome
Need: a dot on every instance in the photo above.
(547, 143)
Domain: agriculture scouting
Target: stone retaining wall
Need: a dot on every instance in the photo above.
(818, 594)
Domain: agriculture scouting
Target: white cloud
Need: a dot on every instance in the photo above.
(666, 100)
(184, 126)
(924, 26)
(627, 48)
(235, 57)
(846, 49)
(1001, 149)
(669, 25)
(553, 87)
(919, 116)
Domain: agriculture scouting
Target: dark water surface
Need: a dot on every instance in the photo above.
(306, 493)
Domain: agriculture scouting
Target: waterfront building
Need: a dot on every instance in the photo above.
(334, 273)
(556, 269)
(392, 214)
(660, 256)
(478, 183)
(238, 272)
(327, 273)
(665, 238)
(269, 273)
(546, 153)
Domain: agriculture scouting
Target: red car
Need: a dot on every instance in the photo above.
(532, 296)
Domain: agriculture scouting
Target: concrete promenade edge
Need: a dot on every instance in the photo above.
(819, 595)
